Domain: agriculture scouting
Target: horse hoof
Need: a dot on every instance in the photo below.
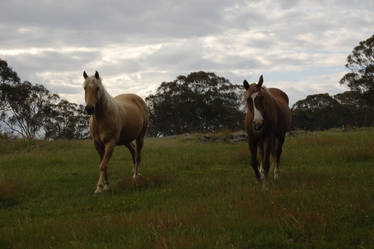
(265, 186)
(97, 191)
(262, 173)
(106, 187)
(135, 177)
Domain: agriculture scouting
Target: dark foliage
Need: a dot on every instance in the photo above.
(65, 120)
(199, 102)
(30, 110)
(322, 111)
(360, 79)
(352, 108)
(316, 112)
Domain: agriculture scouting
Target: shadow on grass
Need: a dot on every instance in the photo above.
(5, 244)
(358, 154)
(10, 193)
(143, 182)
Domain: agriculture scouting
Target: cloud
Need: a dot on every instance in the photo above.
(136, 45)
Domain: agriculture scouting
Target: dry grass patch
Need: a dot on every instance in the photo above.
(144, 182)
(358, 154)
(10, 192)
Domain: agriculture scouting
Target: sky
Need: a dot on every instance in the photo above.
(299, 46)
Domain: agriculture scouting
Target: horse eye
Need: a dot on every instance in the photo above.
(85, 88)
(249, 101)
(260, 101)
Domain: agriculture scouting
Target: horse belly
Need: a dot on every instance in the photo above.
(130, 132)
(284, 119)
(126, 138)
(133, 125)
(283, 111)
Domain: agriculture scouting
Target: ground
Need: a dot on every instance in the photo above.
(193, 194)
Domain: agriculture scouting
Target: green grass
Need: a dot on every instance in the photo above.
(192, 195)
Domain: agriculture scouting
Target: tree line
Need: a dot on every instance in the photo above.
(31, 111)
(352, 108)
(198, 102)
(322, 111)
(205, 102)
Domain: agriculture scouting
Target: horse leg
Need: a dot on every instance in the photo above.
(253, 148)
(261, 148)
(139, 147)
(266, 160)
(103, 166)
(133, 152)
(101, 150)
(278, 152)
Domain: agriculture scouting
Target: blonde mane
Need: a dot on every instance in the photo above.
(105, 97)
(122, 120)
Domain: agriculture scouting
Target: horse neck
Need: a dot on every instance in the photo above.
(105, 106)
(270, 105)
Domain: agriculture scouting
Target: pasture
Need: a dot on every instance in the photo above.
(192, 195)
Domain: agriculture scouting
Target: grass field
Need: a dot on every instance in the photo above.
(193, 195)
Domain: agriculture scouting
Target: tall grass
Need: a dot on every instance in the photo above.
(191, 195)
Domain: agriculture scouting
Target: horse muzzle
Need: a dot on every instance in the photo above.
(258, 125)
(90, 109)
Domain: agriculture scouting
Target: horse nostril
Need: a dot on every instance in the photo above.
(257, 125)
(89, 109)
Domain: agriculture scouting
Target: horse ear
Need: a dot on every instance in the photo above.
(97, 76)
(260, 81)
(245, 84)
(85, 76)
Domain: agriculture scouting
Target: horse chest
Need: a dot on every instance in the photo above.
(103, 131)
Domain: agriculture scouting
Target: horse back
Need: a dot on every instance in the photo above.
(283, 111)
(135, 114)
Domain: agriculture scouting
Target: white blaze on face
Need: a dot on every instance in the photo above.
(257, 113)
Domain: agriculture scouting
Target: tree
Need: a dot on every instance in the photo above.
(199, 102)
(7, 75)
(8, 78)
(30, 110)
(65, 120)
(25, 104)
(354, 108)
(317, 112)
(360, 63)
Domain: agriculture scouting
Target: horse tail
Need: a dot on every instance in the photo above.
(279, 93)
(285, 96)
(146, 116)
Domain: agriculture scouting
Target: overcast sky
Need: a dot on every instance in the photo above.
(299, 46)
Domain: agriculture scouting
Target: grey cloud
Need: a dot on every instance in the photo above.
(123, 66)
(64, 89)
(97, 22)
(177, 56)
(50, 61)
(269, 36)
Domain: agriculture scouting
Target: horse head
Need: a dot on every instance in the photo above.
(94, 91)
(255, 102)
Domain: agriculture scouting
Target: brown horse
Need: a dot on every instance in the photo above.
(267, 120)
(114, 121)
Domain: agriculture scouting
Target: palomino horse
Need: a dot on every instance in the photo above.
(267, 120)
(114, 121)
